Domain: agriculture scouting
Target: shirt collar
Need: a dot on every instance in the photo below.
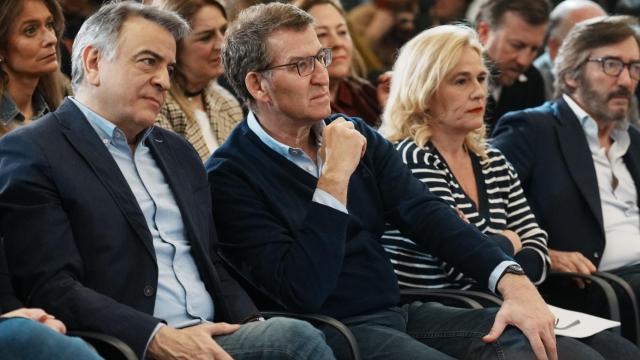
(9, 111)
(108, 132)
(275, 145)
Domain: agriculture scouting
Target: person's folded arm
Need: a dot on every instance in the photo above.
(425, 218)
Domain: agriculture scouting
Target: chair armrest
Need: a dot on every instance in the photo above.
(107, 346)
(630, 297)
(607, 290)
(326, 320)
(444, 296)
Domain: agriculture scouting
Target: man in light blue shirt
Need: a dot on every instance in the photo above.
(107, 219)
(579, 159)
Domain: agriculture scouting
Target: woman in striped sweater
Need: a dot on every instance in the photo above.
(435, 117)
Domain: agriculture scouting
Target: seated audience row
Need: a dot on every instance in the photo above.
(436, 122)
(301, 198)
(115, 215)
(197, 107)
(579, 159)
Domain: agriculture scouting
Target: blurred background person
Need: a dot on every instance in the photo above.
(562, 19)
(384, 26)
(447, 11)
(75, 13)
(351, 94)
(512, 33)
(30, 80)
(196, 106)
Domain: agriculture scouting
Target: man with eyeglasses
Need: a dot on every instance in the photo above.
(301, 199)
(578, 158)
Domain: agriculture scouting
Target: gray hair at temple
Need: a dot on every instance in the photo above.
(586, 36)
(102, 31)
(245, 46)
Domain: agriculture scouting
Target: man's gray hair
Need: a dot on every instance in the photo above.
(102, 30)
(582, 39)
(245, 48)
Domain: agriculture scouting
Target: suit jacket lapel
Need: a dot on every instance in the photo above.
(172, 170)
(577, 156)
(84, 139)
(632, 160)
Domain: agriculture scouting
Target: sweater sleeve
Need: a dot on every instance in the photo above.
(534, 255)
(297, 267)
(425, 218)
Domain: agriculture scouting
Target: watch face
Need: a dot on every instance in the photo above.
(515, 269)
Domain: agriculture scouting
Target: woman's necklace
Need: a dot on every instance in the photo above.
(191, 95)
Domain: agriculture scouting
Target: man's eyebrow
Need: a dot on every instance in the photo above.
(298, 58)
(149, 52)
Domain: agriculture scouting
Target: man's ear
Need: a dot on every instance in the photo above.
(256, 87)
(571, 81)
(91, 65)
(484, 30)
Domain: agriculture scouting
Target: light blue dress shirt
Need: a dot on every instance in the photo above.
(181, 298)
(303, 161)
(618, 193)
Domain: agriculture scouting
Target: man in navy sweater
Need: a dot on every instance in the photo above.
(301, 203)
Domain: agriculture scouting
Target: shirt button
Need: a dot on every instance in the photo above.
(596, 255)
(148, 291)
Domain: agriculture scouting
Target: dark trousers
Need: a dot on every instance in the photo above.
(434, 331)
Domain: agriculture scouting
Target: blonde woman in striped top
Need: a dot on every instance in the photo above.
(434, 115)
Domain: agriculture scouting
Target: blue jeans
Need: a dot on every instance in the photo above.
(434, 331)
(276, 338)
(22, 338)
(612, 346)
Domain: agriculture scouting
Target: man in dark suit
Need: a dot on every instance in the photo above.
(512, 32)
(33, 333)
(577, 157)
(107, 219)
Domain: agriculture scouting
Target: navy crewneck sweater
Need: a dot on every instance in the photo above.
(312, 258)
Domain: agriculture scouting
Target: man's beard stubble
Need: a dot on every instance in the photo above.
(596, 105)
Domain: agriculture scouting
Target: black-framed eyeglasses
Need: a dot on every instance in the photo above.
(307, 65)
(613, 66)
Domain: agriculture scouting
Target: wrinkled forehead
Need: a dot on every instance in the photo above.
(626, 50)
(284, 45)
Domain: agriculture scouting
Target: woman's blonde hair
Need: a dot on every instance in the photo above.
(422, 65)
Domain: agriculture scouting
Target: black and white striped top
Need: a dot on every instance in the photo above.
(502, 205)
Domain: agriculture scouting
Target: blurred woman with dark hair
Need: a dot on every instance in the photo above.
(197, 107)
(30, 79)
